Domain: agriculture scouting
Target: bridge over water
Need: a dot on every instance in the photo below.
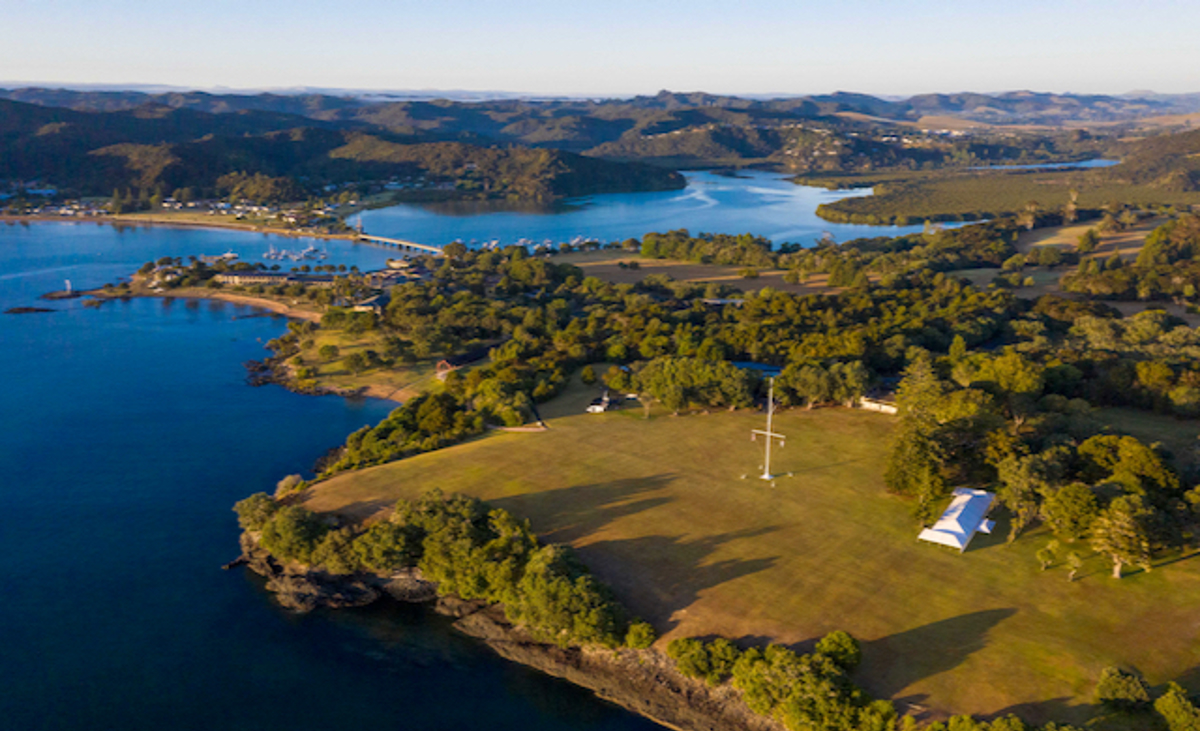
(401, 244)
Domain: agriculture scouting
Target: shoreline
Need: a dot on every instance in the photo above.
(645, 682)
(375, 391)
(274, 307)
(166, 223)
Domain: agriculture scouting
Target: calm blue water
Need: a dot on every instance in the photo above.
(756, 202)
(127, 434)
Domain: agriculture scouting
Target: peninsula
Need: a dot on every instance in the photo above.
(1005, 386)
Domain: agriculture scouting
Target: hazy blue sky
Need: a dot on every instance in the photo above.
(609, 46)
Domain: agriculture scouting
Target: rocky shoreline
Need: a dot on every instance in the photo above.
(643, 681)
(274, 371)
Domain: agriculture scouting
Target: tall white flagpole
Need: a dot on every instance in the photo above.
(769, 434)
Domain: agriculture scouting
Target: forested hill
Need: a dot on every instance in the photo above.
(841, 132)
(1018, 107)
(1168, 162)
(157, 146)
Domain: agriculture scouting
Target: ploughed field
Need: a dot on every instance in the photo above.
(670, 512)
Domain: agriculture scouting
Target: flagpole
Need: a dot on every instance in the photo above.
(769, 434)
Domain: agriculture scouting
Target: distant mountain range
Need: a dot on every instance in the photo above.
(1019, 107)
(91, 140)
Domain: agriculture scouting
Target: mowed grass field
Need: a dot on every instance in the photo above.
(606, 265)
(670, 513)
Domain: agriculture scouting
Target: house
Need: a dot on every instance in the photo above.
(377, 304)
(882, 399)
(455, 362)
(878, 404)
(600, 404)
(966, 516)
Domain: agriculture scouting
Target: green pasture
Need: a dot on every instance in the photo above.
(669, 511)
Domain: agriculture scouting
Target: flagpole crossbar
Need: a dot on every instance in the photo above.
(770, 435)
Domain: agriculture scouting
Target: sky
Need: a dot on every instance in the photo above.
(608, 47)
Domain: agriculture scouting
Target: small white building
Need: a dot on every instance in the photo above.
(966, 516)
(883, 406)
(599, 405)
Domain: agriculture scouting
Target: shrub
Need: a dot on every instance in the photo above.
(640, 635)
(690, 656)
(288, 484)
(713, 661)
(292, 534)
(386, 547)
(1122, 690)
(1178, 710)
(335, 552)
(843, 649)
(254, 512)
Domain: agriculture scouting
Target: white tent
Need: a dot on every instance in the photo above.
(966, 515)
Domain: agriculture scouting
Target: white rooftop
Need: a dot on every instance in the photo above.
(966, 515)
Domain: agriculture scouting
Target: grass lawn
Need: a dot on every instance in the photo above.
(1128, 242)
(1181, 436)
(398, 383)
(669, 512)
(605, 265)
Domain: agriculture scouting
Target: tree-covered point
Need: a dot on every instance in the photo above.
(470, 550)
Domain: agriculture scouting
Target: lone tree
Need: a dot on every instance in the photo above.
(356, 362)
(1119, 533)
(1071, 210)
(1088, 241)
(1074, 562)
(1045, 554)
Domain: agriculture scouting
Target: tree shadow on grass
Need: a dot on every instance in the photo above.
(568, 514)
(660, 577)
(1190, 679)
(656, 576)
(895, 662)
(1058, 710)
(357, 512)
